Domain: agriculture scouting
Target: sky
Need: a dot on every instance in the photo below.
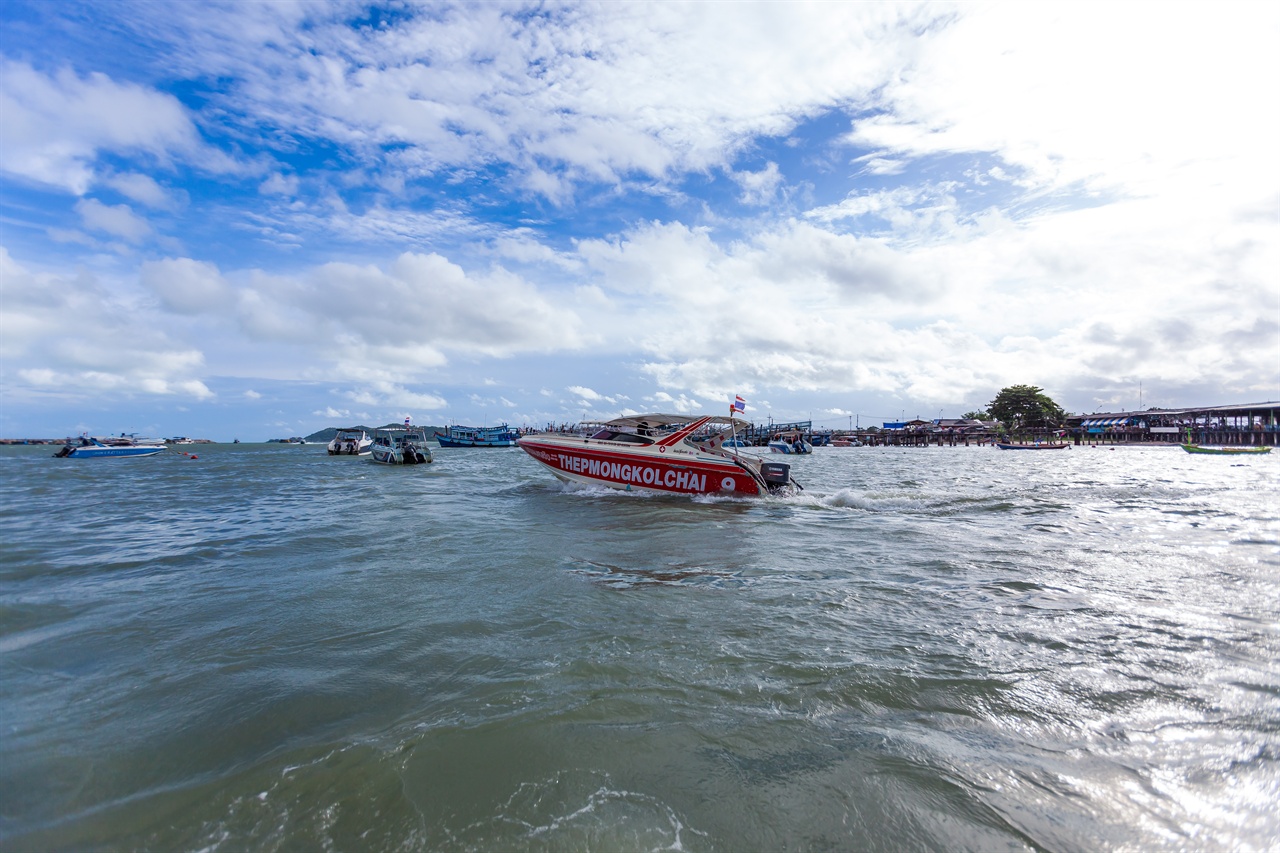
(257, 220)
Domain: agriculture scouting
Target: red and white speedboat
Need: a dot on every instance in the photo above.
(680, 454)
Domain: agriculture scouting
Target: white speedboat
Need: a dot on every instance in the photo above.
(659, 453)
(406, 446)
(351, 442)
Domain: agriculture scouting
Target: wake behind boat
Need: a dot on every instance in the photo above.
(460, 436)
(678, 454)
(126, 446)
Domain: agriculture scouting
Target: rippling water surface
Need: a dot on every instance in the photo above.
(952, 649)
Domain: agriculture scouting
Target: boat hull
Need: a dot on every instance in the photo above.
(657, 471)
(460, 436)
(1226, 451)
(394, 456)
(111, 452)
(1032, 446)
(445, 441)
(788, 447)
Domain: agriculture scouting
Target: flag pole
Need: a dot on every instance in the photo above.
(733, 428)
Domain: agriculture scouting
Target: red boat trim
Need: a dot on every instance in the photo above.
(682, 433)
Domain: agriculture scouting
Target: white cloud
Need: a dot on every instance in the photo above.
(278, 184)
(585, 393)
(56, 126)
(143, 189)
(1178, 96)
(388, 394)
(119, 220)
(577, 93)
(123, 352)
(186, 286)
(759, 188)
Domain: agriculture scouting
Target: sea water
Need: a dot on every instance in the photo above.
(929, 648)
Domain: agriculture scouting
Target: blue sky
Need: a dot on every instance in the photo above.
(257, 220)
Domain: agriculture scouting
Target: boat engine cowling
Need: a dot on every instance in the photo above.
(776, 475)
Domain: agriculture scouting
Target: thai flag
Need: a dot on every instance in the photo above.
(406, 421)
(739, 404)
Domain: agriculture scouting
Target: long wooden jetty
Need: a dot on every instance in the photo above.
(1244, 425)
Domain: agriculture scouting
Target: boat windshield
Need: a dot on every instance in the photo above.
(615, 435)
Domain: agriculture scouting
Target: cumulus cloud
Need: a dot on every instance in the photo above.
(573, 94)
(185, 286)
(123, 352)
(118, 220)
(759, 188)
(56, 125)
(381, 393)
(141, 188)
(988, 82)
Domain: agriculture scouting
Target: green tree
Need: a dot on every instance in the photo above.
(980, 415)
(1025, 406)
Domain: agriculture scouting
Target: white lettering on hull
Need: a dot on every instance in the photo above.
(641, 475)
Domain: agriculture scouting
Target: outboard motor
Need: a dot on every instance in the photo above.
(776, 475)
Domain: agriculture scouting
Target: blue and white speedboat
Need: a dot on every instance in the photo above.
(790, 442)
(126, 446)
(460, 436)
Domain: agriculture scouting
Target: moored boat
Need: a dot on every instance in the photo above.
(123, 447)
(658, 452)
(789, 442)
(462, 436)
(351, 442)
(1037, 446)
(406, 446)
(1225, 450)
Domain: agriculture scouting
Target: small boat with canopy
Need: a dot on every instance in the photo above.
(681, 454)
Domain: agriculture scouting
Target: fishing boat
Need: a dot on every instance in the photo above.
(1039, 445)
(123, 447)
(395, 446)
(461, 436)
(351, 442)
(1228, 451)
(660, 453)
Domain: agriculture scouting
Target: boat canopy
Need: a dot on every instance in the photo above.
(1104, 422)
(657, 421)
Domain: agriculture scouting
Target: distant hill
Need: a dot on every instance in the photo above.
(326, 435)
